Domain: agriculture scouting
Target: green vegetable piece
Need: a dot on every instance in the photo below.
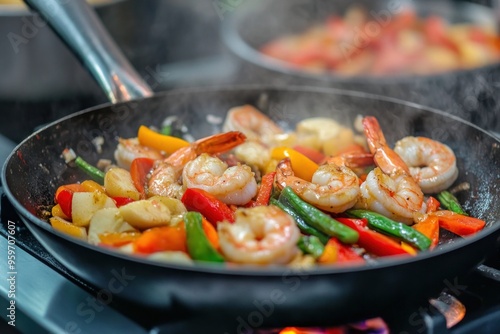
(450, 202)
(306, 229)
(388, 226)
(92, 171)
(311, 244)
(319, 220)
(199, 247)
(166, 130)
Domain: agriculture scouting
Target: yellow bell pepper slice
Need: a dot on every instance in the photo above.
(302, 166)
(408, 248)
(57, 212)
(66, 227)
(91, 186)
(168, 144)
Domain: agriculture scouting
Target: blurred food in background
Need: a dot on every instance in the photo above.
(359, 44)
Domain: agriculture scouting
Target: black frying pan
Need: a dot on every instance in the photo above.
(238, 298)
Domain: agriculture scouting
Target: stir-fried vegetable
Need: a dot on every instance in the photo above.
(374, 242)
(429, 226)
(208, 205)
(92, 171)
(150, 138)
(265, 190)
(197, 242)
(311, 244)
(338, 253)
(392, 228)
(199, 201)
(450, 202)
(459, 224)
(318, 219)
(303, 226)
(304, 167)
(139, 170)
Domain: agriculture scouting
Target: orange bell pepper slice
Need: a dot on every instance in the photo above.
(459, 224)
(429, 226)
(171, 238)
(165, 238)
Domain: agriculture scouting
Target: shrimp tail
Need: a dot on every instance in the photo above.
(219, 143)
(215, 144)
(352, 160)
(385, 158)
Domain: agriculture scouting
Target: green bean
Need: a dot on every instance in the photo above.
(311, 244)
(450, 202)
(199, 247)
(388, 226)
(92, 171)
(318, 219)
(306, 229)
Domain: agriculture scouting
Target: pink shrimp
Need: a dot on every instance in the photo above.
(389, 189)
(166, 175)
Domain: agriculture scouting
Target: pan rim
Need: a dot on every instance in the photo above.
(274, 271)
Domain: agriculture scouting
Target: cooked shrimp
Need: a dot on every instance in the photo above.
(233, 185)
(166, 175)
(260, 235)
(432, 164)
(129, 149)
(164, 181)
(253, 123)
(389, 189)
(333, 188)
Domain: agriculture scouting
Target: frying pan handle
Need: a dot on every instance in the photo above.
(79, 27)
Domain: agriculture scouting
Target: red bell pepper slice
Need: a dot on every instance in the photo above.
(346, 253)
(432, 204)
(459, 224)
(139, 170)
(265, 190)
(213, 209)
(121, 201)
(64, 198)
(374, 242)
